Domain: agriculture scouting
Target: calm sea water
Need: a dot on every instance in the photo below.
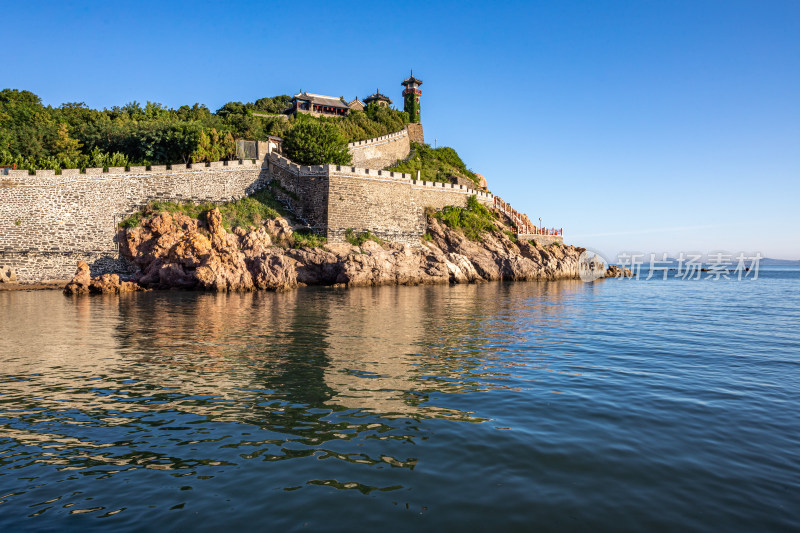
(552, 406)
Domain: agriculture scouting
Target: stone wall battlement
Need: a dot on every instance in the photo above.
(323, 169)
(49, 221)
(287, 164)
(484, 197)
(46, 178)
(371, 173)
(380, 152)
(379, 140)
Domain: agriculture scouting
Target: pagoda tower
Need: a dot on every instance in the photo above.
(411, 95)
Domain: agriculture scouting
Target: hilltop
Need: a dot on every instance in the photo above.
(34, 136)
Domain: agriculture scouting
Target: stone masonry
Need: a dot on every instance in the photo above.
(543, 240)
(48, 222)
(391, 205)
(380, 152)
(415, 133)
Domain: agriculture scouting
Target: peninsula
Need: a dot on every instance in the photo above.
(308, 201)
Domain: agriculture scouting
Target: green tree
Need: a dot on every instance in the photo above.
(276, 104)
(311, 142)
(203, 151)
(228, 147)
(66, 147)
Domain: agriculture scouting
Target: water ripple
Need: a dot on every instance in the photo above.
(553, 406)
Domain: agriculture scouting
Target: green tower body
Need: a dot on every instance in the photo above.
(411, 96)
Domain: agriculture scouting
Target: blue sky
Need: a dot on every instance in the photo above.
(635, 125)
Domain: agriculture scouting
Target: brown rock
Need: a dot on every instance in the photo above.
(616, 271)
(105, 284)
(80, 281)
(175, 252)
(274, 272)
(7, 274)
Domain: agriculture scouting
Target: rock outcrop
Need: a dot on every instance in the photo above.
(174, 251)
(616, 271)
(7, 274)
(82, 283)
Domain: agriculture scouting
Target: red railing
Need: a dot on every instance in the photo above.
(12, 167)
(523, 223)
(548, 231)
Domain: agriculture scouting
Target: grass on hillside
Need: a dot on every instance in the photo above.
(357, 239)
(249, 211)
(473, 220)
(434, 164)
(307, 238)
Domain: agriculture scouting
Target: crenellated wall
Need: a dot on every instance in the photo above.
(391, 205)
(380, 152)
(48, 222)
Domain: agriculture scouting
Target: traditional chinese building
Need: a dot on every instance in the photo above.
(411, 95)
(356, 105)
(319, 105)
(378, 98)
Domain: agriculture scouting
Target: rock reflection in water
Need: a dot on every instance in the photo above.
(94, 386)
(615, 405)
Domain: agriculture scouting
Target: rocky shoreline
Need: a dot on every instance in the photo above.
(174, 251)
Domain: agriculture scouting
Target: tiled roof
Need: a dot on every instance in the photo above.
(411, 79)
(377, 97)
(321, 99)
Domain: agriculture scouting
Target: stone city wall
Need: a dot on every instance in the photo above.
(415, 133)
(391, 208)
(542, 240)
(49, 221)
(302, 189)
(380, 152)
(391, 205)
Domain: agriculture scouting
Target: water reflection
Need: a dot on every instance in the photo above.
(193, 384)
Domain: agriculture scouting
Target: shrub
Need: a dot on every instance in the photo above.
(306, 237)
(473, 220)
(357, 239)
(434, 164)
(511, 235)
(316, 143)
(214, 147)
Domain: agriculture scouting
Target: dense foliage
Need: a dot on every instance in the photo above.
(435, 164)
(374, 121)
(474, 220)
(75, 136)
(311, 142)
